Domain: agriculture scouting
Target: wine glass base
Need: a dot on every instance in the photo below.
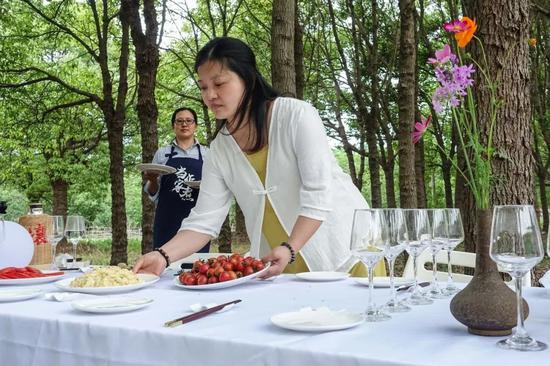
(450, 290)
(376, 316)
(396, 307)
(522, 344)
(436, 294)
(419, 299)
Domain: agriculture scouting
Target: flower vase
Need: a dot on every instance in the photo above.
(487, 306)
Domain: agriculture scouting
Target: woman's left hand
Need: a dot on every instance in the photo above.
(279, 258)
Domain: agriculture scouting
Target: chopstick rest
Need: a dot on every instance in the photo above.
(198, 315)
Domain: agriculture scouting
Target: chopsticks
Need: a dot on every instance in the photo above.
(198, 314)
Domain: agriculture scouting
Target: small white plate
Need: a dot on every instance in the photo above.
(317, 320)
(156, 168)
(219, 285)
(111, 304)
(193, 183)
(322, 276)
(384, 282)
(32, 280)
(19, 294)
(146, 280)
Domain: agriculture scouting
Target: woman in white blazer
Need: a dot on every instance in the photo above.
(272, 154)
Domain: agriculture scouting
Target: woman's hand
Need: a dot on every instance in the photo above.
(152, 262)
(279, 258)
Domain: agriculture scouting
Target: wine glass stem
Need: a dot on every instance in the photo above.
(392, 284)
(520, 329)
(449, 268)
(371, 287)
(74, 255)
(54, 246)
(415, 269)
(434, 269)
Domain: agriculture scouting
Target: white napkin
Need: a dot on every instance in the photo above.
(198, 307)
(63, 296)
(545, 280)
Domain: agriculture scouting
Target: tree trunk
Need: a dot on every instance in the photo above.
(299, 54)
(504, 28)
(224, 239)
(147, 60)
(406, 102)
(373, 119)
(115, 115)
(241, 237)
(283, 72)
(60, 189)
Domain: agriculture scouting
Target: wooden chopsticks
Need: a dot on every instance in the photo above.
(198, 314)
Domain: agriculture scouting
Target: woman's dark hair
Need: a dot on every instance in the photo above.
(239, 58)
(184, 109)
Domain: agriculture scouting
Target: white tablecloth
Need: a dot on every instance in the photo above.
(42, 332)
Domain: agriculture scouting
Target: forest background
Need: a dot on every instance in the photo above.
(87, 89)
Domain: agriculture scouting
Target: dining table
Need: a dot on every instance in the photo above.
(41, 331)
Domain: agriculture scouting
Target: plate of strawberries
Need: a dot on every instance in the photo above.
(221, 272)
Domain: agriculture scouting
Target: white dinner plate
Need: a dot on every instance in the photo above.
(384, 282)
(32, 280)
(193, 183)
(146, 280)
(322, 276)
(219, 285)
(156, 168)
(19, 294)
(317, 320)
(111, 304)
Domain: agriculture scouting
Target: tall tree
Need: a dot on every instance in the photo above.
(507, 56)
(407, 104)
(283, 67)
(94, 44)
(147, 62)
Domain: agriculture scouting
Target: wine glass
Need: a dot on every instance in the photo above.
(419, 235)
(369, 242)
(74, 231)
(55, 234)
(455, 236)
(438, 222)
(516, 247)
(397, 231)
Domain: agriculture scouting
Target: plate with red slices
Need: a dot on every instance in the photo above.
(27, 276)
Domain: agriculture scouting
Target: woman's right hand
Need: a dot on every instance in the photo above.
(152, 262)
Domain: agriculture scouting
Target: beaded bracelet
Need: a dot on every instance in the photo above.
(292, 252)
(163, 253)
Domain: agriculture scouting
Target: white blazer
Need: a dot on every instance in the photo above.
(302, 178)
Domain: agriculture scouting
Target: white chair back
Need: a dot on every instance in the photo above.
(463, 259)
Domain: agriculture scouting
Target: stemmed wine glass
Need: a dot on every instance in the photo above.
(439, 226)
(55, 234)
(455, 236)
(419, 235)
(369, 242)
(516, 247)
(397, 231)
(74, 231)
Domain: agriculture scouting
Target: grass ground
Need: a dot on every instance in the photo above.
(99, 252)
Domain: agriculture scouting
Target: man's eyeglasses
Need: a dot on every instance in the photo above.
(186, 122)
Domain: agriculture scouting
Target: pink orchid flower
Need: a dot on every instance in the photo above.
(456, 26)
(420, 128)
(443, 55)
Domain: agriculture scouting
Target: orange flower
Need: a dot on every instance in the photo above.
(532, 42)
(464, 37)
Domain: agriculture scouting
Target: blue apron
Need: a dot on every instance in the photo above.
(176, 199)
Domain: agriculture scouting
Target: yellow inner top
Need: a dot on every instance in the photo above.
(274, 232)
